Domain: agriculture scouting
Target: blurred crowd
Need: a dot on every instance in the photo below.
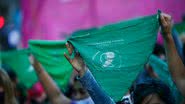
(12, 90)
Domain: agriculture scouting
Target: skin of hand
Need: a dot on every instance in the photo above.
(77, 62)
(166, 24)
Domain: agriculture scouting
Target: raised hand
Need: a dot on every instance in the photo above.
(166, 24)
(77, 62)
(53, 92)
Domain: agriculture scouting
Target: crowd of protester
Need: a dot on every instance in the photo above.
(83, 88)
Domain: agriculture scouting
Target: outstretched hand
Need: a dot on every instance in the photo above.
(166, 24)
(77, 62)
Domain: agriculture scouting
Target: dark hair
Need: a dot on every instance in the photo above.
(152, 86)
(11, 73)
(8, 88)
(158, 50)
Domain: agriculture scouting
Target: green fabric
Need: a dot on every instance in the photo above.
(161, 68)
(19, 62)
(50, 55)
(115, 53)
(180, 27)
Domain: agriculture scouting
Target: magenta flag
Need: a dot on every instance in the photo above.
(56, 19)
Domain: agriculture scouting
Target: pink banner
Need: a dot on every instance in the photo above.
(56, 19)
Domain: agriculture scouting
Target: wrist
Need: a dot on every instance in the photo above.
(83, 71)
(167, 36)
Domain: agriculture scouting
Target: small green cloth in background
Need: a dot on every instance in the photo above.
(116, 53)
(50, 55)
(161, 69)
(180, 27)
(19, 61)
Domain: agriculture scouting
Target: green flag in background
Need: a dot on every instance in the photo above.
(161, 68)
(180, 27)
(19, 62)
(50, 55)
(116, 53)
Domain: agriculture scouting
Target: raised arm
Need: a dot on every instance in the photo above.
(175, 64)
(178, 44)
(51, 89)
(87, 79)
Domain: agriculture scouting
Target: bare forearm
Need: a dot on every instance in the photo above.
(53, 92)
(175, 63)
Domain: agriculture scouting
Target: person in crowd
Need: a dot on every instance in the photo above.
(159, 51)
(7, 94)
(19, 88)
(53, 92)
(148, 72)
(155, 92)
(78, 93)
(151, 96)
(175, 64)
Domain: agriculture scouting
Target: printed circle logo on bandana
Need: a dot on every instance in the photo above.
(108, 59)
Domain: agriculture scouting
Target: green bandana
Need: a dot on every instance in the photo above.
(116, 53)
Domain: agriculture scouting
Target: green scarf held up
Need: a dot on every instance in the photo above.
(116, 53)
(180, 27)
(50, 55)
